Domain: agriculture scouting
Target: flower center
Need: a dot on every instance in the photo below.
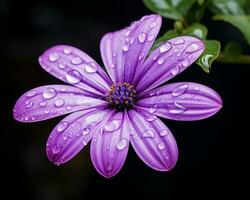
(121, 96)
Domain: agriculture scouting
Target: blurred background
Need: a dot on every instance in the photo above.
(213, 152)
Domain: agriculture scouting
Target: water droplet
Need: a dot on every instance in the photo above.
(151, 38)
(75, 128)
(127, 33)
(43, 104)
(179, 41)
(164, 133)
(49, 93)
(85, 131)
(148, 134)
(175, 70)
(29, 104)
(193, 48)
(152, 110)
(33, 118)
(122, 144)
(152, 93)
(90, 68)
(165, 47)
(176, 111)
(62, 126)
(61, 65)
(196, 88)
(185, 63)
(153, 25)
(178, 105)
(161, 60)
(31, 93)
(113, 125)
(114, 54)
(26, 118)
(151, 118)
(125, 47)
(73, 77)
(76, 60)
(59, 102)
(161, 146)
(67, 51)
(53, 57)
(141, 56)
(84, 142)
(69, 107)
(56, 149)
(155, 57)
(112, 65)
(180, 90)
(142, 37)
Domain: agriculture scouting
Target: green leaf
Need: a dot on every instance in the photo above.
(228, 7)
(200, 2)
(196, 30)
(211, 52)
(167, 36)
(240, 22)
(233, 49)
(173, 9)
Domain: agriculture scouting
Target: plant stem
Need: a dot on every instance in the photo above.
(242, 59)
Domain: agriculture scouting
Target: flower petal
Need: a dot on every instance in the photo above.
(72, 134)
(109, 146)
(152, 140)
(122, 51)
(167, 61)
(75, 67)
(50, 101)
(182, 101)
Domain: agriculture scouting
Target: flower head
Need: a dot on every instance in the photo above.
(123, 106)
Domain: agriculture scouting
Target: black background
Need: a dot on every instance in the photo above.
(213, 152)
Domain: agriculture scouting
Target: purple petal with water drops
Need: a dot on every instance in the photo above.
(109, 146)
(167, 61)
(152, 140)
(72, 134)
(123, 51)
(182, 101)
(73, 66)
(50, 101)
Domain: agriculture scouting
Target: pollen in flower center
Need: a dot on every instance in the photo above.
(121, 96)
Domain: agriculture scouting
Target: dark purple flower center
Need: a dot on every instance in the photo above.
(121, 96)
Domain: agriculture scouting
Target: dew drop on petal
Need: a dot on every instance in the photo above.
(193, 47)
(29, 104)
(161, 60)
(150, 118)
(185, 63)
(75, 128)
(32, 93)
(153, 24)
(125, 47)
(90, 68)
(161, 146)
(196, 88)
(73, 77)
(67, 51)
(61, 65)
(175, 70)
(84, 142)
(53, 57)
(43, 104)
(141, 56)
(59, 102)
(122, 144)
(49, 93)
(56, 149)
(113, 125)
(151, 38)
(179, 90)
(85, 131)
(152, 109)
(164, 133)
(76, 60)
(148, 134)
(62, 126)
(142, 37)
(179, 41)
(165, 47)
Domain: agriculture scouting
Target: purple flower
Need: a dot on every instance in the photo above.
(124, 105)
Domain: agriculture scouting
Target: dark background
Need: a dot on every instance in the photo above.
(213, 152)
